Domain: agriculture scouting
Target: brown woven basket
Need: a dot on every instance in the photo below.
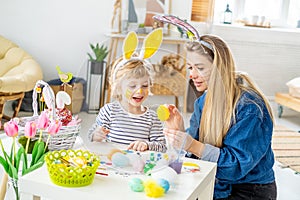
(173, 83)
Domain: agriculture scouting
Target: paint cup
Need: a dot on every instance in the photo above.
(177, 163)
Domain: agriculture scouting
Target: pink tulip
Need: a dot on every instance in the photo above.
(54, 127)
(30, 129)
(43, 120)
(11, 128)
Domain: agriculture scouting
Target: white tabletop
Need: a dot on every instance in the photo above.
(115, 186)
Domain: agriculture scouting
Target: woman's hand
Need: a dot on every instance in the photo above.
(178, 139)
(138, 146)
(100, 134)
(175, 121)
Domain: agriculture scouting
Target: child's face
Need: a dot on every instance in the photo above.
(135, 90)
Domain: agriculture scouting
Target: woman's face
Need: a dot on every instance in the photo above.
(199, 68)
(135, 90)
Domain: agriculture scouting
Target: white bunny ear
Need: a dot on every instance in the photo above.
(62, 99)
(151, 43)
(130, 45)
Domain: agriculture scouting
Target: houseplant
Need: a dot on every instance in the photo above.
(97, 60)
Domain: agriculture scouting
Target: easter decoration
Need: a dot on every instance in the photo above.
(191, 32)
(152, 187)
(163, 113)
(64, 77)
(70, 168)
(55, 125)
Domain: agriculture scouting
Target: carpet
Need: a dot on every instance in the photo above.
(286, 147)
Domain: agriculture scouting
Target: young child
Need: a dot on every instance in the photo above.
(126, 120)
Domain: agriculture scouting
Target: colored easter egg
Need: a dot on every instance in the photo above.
(164, 184)
(111, 153)
(153, 189)
(120, 160)
(136, 161)
(163, 113)
(136, 185)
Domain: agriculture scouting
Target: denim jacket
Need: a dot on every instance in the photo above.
(246, 155)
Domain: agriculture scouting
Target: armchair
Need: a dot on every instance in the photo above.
(18, 74)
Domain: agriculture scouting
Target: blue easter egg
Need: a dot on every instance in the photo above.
(164, 184)
(120, 160)
(136, 185)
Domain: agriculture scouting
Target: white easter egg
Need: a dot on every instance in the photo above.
(166, 173)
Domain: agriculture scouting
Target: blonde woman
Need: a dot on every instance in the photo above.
(126, 120)
(231, 125)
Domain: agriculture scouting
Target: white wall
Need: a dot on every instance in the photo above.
(58, 32)
(270, 56)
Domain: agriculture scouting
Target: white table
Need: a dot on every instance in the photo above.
(187, 186)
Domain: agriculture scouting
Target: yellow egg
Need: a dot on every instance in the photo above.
(153, 189)
(163, 113)
(80, 161)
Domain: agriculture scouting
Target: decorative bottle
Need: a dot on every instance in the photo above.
(227, 15)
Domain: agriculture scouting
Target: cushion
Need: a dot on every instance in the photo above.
(18, 70)
(294, 87)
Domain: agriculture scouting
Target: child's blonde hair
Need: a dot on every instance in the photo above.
(134, 68)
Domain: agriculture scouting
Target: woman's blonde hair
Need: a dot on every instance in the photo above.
(135, 68)
(224, 90)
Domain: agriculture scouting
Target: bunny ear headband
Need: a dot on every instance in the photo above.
(150, 45)
(191, 31)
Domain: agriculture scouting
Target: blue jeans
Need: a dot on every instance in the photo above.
(253, 192)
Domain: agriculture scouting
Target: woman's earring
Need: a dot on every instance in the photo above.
(191, 76)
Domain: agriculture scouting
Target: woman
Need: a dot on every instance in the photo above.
(231, 125)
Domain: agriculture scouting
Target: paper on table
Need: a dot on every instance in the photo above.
(103, 148)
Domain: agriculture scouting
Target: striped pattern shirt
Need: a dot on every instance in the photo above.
(126, 127)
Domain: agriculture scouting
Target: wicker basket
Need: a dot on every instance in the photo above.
(66, 136)
(169, 84)
(71, 176)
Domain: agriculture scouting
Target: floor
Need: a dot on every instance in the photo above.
(287, 180)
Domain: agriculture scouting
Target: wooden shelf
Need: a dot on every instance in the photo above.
(258, 26)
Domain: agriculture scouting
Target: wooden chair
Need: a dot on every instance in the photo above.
(4, 97)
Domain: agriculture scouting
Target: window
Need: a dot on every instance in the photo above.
(280, 13)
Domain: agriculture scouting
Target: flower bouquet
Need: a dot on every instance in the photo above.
(16, 162)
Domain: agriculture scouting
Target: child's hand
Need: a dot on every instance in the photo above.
(175, 121)
(138, 146)
(100, 134)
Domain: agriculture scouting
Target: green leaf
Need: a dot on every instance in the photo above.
(32, 168)
(25, 165)
(100, 52)
(21, 151)
(3, 162)
(34, 152)
(13, 171)
(40, 152)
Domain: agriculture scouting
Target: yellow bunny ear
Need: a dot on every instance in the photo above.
(130, 44)
(152, 42)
